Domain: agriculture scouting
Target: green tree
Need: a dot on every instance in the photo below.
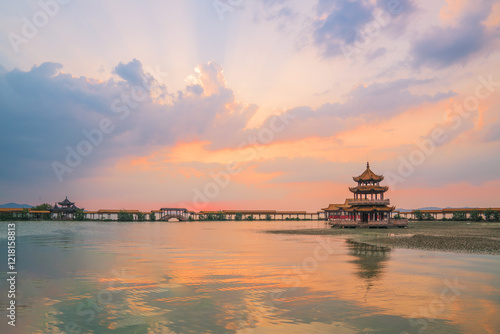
(428, 216)
(220, 215)
(238, 216)
(250, 217)
(419, 215)
(496, 215)
(125, 216)
(459, 215)
(152, 216)
(268, 217)
(141, 217)
(79, 215)
(43, 207)
(488, 214)
(25, 214)
(6, 216)
(475, 215)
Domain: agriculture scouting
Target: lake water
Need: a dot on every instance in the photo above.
(229, 277)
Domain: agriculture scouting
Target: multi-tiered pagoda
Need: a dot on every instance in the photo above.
(368, 205)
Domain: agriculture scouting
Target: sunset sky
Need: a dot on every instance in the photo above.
(239, 104)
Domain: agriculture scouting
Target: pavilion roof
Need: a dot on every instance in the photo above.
(337, 207)
(291, 212)
(174, 209)
(368, 175)
(66, 202)
(369, 189)
(429, 211)
(117, 211)
(262, 212)
(11, 209)
(333, 207)
(465, 209)
(372, 208)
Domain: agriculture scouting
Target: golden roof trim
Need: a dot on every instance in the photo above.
(368, 175)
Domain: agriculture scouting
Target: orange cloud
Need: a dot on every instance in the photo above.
(452, 10)
(494, 18)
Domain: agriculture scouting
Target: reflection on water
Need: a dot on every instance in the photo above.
(63, 240)
(228, 277)
(369, 260)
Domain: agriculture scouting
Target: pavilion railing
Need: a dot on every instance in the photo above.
(338, 220)
(369, 201)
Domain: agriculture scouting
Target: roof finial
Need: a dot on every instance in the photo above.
(367, 165)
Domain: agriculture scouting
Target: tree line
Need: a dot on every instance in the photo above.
(475, 215)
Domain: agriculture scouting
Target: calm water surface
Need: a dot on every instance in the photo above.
(229, 277)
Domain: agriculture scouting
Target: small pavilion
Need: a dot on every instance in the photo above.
(178, 213)
(65, 210)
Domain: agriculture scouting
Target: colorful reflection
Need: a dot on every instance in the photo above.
(229, 277)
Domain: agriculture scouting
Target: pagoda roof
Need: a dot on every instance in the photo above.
(369, 189)
(333, 207)
(66, 202)
(337, 207)
(372, 208)
(368, 175)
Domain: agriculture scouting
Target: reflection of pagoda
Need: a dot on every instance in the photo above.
(368, 205)
(370, 261)
(66, 210)
(369, 258)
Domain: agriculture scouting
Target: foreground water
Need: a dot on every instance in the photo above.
(229, 277)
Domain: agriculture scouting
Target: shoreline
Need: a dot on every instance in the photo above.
(454, 236)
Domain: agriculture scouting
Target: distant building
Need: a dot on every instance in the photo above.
(65, 210)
